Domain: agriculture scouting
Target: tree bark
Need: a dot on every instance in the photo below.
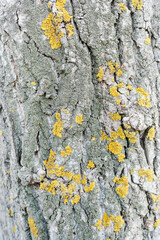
(54, 98)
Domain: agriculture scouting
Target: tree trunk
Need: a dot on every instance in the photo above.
(79, 120)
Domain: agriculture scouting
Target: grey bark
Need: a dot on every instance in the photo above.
(66, 79)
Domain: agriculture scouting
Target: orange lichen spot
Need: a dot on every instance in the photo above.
(76, 178)
(76, 199)
(155, 199)
(90, 164)
(147, 41)
(33, 227)
(69, 28)
(151, 133)
(79, 119)
(90, 188)
(143, 100)
(157, 223)
(122, 7)
(10, 212)
(121, 190)
(119, 72)
(138, 4)
(93, 138)
(58, 126)
(132, 170)
(118, 222)
(149, 174)
(115, 147)
(121, 157)
(120, 85)
(14, 229)
(33, 83)
(118, 101)
(115, 116)
(67, 152)
(106, 220)
(100, 74)
(84, 180)
(113, 91)
(98, 224)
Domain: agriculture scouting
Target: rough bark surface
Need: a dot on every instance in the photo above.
(66, 79)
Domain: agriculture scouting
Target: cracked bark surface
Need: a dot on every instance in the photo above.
(66, 79)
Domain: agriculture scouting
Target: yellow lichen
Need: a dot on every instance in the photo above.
(155, 199)
(111, 67)
(118, 101)
(115, 116)
(122, 7)
(118, 222)
(121, 157)
(143, 100)
(90, 164)
(149, 174)
(115, 147)
(65, 111)
(116, 65)
(138, 4)
(1, 132)
(33, 83)
(113, 91)
(119, 72)
(132, 170)
(10, 212)
(76, 199)
(67, 152)
(106, 220)
(52, 24)
(98, 224)
(79, 119)
(131, 136)
(151, 133)
(157, 223)
(33, 227)
(121, 190)
(90, 188)
(93, 138)
(130, 87)
(100, 74)
(69, 28)
(120, 85)
(58, 126)
(84, 180)
(14, 229)
(131, 149)
(147, 41)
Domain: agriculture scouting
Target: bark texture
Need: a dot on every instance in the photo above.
(36, 82)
